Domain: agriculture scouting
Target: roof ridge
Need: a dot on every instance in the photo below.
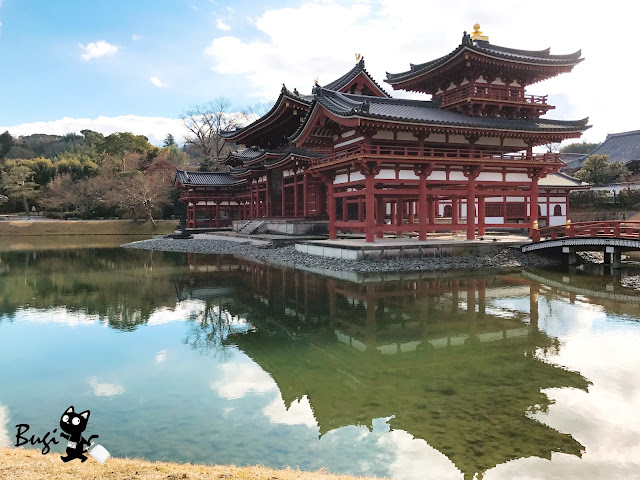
(622, 134)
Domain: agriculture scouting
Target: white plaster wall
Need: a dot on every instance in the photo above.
(348, 142)
(356, 176)
(350, 133)
(554, 221)
(490, 177)
(288, 173)
(517, 177)
(514, 142)
(457, 139)
(341, 178)
(384, 135)
(407, 137)
(386, 174)
(493, 199)
(408, 175)
(558, 199)
(437, 138)
(457, 176)
(516, 199)
(438, 175)
(493, 220)
(495, 141)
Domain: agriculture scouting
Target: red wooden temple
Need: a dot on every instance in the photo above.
(351, 157)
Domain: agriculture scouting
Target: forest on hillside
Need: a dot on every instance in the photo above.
(89, 175)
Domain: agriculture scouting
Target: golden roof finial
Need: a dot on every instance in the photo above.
(358, 57)
(315, 81)
(477, 34)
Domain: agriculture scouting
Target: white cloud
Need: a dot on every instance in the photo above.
(298, 413)
(98, 49)
(415, 459)
(105, 389)
(157, 82)
(5, 441)
(154, 128)
(161, 357)
(390, 39)
(136, 37)
(240, 379)
(220, 23)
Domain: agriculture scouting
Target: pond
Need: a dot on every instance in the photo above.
(220, 360)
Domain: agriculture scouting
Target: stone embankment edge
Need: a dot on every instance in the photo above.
(507, 258)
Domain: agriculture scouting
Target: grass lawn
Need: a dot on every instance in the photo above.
(85, 227)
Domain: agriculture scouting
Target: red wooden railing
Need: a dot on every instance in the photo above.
(612, 229)
(384, 151)
(502, 95)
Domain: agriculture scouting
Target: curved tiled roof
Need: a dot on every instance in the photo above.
(621, 147)
(539, 57)
(560, 180)
(427, 112)
(284, 94)
(217, 179)
(291, 151)
(344, 80)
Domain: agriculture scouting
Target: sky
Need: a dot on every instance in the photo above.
(137, 65)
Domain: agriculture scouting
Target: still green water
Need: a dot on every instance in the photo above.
(216, 359)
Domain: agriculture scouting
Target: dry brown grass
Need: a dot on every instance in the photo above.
(21, 464)
(85, 227)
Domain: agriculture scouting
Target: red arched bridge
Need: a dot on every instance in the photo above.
(610, 237)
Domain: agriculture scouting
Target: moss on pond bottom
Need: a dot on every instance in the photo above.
(21, 464)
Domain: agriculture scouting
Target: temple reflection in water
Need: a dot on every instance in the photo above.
(442, 358)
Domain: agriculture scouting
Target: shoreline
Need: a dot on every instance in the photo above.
(506, 258)
(30, 464)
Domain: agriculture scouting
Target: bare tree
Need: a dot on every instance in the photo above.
(206, 123)
(552, 147)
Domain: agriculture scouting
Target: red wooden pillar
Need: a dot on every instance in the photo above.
(345, 210)
(533, 202)
(399, 212)
(251, 214)
(480, 215)
(331, 207)
(455, 210)
(218, 215)
(283, 197)
(412, 207)
(267, 195)
(432, 214)
(305, 195)
(295, 195)
(369, 186)
(471, 208)
(381, 211)
(422, 206)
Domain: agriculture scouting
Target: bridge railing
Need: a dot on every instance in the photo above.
(612, 229)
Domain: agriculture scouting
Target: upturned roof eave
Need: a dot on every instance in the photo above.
(396, 79)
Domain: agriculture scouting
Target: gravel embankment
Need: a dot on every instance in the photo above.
(506, 258)
(631, 282)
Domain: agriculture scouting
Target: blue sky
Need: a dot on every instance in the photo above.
(137, 65)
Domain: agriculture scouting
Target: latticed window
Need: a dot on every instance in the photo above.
(516, 210)
(557, 210)
(447, 211)
(494, 210)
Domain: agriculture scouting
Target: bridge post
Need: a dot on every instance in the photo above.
(572, 258)
(616, 258)
(608, 255)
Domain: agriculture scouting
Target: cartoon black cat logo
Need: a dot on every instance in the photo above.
(74, 424)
